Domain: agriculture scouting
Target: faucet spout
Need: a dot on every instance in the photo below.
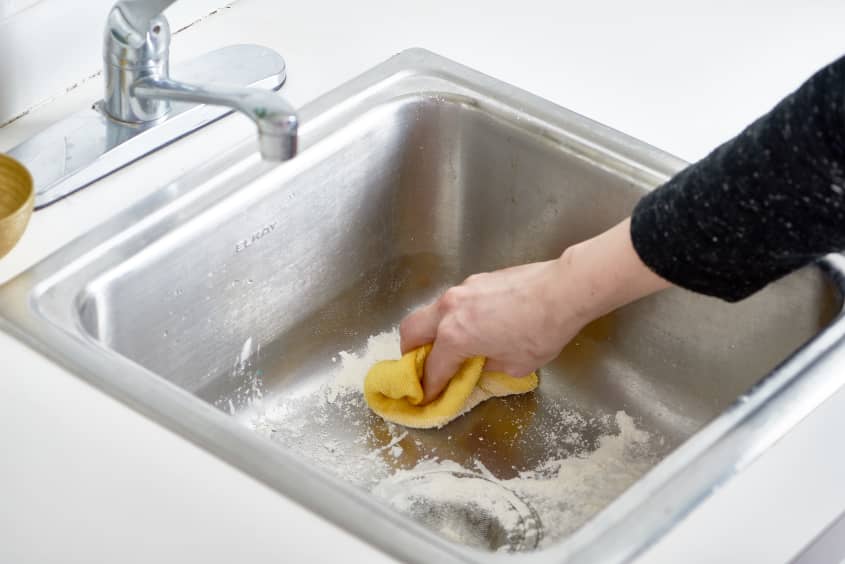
(276, 120)
(139, 88)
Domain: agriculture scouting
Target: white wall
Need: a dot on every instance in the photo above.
(9, 8)
(49, 46)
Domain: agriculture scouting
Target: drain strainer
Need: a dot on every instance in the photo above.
(466, 508)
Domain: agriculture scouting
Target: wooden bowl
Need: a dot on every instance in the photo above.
(17, 198)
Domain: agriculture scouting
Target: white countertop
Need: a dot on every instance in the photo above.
(84, 478)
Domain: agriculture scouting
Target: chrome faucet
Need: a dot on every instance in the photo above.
(139, 89)
(144, 109)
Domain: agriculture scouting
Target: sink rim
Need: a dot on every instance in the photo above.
(630, 524)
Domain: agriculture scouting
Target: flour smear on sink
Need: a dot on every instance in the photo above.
(465, 502)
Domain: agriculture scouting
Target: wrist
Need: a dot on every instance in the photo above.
(583, 293)
(605, 273)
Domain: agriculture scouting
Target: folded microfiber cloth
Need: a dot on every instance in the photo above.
(393, 390)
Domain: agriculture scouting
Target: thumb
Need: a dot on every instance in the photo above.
(442, 363)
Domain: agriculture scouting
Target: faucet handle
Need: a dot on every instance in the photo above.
(140, 15)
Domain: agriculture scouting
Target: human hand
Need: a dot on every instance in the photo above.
(521, 317)
(514, 317)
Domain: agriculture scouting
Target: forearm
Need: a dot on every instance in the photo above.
(765, 203)
(519, 318)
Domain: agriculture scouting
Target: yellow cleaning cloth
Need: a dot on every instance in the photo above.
(393, 390)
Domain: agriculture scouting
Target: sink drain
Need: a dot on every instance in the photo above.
(466, 508)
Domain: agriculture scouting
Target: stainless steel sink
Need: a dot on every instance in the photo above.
(219, 307)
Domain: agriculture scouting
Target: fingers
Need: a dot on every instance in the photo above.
(419, 328)
(442, 363)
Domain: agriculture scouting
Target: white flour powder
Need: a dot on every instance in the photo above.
(354, 367)
(465, 502)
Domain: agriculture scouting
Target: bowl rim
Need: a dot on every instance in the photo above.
(29, 201)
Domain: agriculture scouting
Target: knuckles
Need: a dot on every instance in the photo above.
(452, 299)
(406, 325)
(451, 335)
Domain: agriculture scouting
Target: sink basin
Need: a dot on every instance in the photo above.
(241, 306)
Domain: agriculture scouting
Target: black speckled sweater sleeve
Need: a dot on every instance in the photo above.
(765, 203)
